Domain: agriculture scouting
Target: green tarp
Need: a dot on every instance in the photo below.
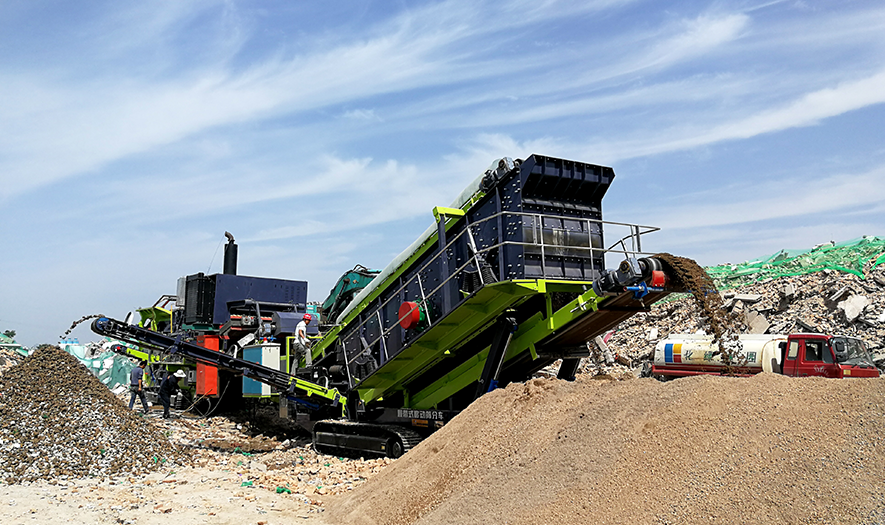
(110, 368)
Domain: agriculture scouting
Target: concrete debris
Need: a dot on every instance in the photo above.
(748, 298)
(652, 334)
(763, 309)
(757, 323)
(852, 307)
(842, 292)
(607, 356)
(8, 359)
(788, 292)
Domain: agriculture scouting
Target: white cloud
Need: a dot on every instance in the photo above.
(785, 198)
(361, 114)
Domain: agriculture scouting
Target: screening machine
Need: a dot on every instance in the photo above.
(509, 279)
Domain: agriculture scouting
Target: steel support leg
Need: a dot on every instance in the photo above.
(568, 368)
(504, 329)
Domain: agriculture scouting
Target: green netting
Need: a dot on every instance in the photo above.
(856, 256)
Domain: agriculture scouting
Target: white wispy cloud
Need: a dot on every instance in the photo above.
(811, 197)
(807, 110)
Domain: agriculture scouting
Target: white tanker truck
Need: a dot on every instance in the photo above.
(793, 355)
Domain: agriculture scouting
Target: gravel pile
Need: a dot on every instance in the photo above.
(58, 422)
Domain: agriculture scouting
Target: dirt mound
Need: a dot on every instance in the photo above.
(766, 449)
(57, 421)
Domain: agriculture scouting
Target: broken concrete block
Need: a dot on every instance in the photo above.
(807, 327)
(868, 322)
(749, 298)
(738, 307)
(852, 307)
(757, 323)
(624, 360)
(841, 292)
(881, 318)
(603, 348)
(652, 334)
(788, 292)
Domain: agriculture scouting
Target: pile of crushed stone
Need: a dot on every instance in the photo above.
(764, 449)
(58, 422)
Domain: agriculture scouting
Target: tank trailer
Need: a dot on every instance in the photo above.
(795, 355)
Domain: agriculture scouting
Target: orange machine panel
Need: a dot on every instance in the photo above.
(207, 375)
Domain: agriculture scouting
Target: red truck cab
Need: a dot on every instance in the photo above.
(826, 356)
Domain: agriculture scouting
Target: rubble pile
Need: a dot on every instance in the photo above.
(264, 462)
(828, 301)
(58, 422)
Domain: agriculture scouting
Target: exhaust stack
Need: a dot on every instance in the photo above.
(230, 255)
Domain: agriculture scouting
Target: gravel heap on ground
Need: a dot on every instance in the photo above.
(759, 450)
(58, 422)
(828, 302)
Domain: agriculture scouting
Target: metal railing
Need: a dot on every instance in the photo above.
(628, 245)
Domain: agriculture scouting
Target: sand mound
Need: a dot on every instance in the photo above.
(766, 449)
(57, 421)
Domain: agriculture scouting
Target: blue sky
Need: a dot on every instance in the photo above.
(322, 134)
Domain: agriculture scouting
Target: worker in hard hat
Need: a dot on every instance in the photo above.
(168, 387)
(301, 345)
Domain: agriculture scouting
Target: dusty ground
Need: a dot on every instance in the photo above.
(221, 483)
(190, 495)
